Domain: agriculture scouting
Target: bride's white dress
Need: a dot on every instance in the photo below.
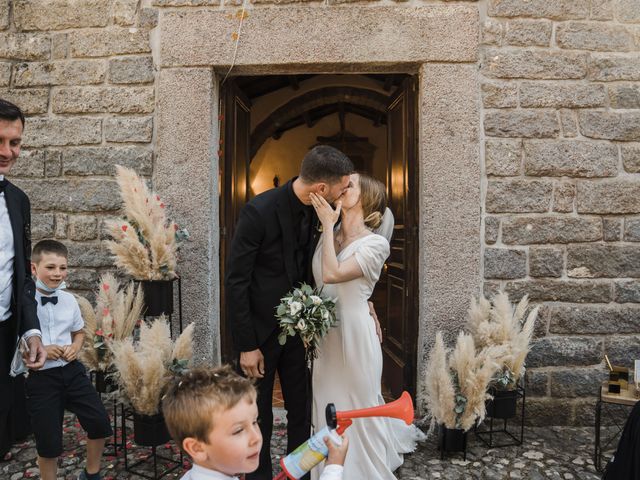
(348, 370)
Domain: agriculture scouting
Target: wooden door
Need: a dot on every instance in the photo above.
(399, 322)
(235, 132)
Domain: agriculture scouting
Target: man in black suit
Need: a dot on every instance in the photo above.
(17, 290)
(270, 254)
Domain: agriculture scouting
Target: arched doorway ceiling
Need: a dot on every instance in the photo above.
(316, 104)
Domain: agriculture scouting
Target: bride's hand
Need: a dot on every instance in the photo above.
(327, 215)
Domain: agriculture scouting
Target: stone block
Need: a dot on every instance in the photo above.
(102, 160)
(66, 72)
(438, 33)
(632, 229)
(503, 158)
(4, 14)
(623, 350)
(557, 9)
(592, 319)
(83, 227)
(59, 46)
(62, 225)
(611, 196)
(628, 11)
(565, 352)
(124, 11)
(31, 100)
(103, 99)
(30, 164)
(546, 262)
(534, 64)
(521, 123)
(536, 383)
(550, 229)
(491, 229)
(577, 382)
(631, 157)
(548, 290)
(148, 18)
(602, 9)
(495, 95)
(518, 196)
(624, 96)
(621, 126)
(49, 15)
(72, 195)
(542, 412)
(109, 41)
(53, 163)
(492, 31)
(610, 68)
(570, 158)
(89, 254)
(564, 196)
(5, 74)
(603, 261)
(525, 33)
(627, 291)
(611, 229)
(569, 123)
(502, 263)
(184, 3)
(42, 226)
(58, 131)
(128, 129)
(83, 279)
(562, 95)
(597, 36)
(24, 46)
(131, 70)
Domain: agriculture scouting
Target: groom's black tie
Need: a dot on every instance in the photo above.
(304, 234)
(3, 184)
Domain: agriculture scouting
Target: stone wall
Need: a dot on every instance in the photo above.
(561, 97)
(83, 73)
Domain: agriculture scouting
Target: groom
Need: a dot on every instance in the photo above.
(271, 253)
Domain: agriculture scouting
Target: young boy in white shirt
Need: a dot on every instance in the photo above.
(63, 382)
(213, 416)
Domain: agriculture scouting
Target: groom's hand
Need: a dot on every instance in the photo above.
(252, 363)
(372, 312)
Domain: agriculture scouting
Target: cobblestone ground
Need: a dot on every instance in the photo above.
(548, 453)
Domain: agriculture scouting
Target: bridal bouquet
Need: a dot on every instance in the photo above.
(304, 311)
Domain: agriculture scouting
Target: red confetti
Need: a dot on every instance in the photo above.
(99, 332)
(105, 287)
(162, 205)
(124, 228)
(105, 311)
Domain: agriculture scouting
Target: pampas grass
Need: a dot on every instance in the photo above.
(439, 390)
(118, 310)
(144, 243)
(146, 367)
(499, 324)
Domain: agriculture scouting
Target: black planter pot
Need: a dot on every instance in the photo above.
(503, 404)
(452, 439)
(158, 297)
(104, 382)
(150, 430)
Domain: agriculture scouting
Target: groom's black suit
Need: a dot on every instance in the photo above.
(270, 255)
(23, 306)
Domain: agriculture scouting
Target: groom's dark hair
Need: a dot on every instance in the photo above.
(325, 164)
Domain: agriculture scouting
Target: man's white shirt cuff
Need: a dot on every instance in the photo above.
(34, 332)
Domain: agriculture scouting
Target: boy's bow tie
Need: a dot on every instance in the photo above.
(46, 300)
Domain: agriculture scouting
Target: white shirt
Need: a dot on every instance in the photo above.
(330, 472)
(58, 321)
(7, 254)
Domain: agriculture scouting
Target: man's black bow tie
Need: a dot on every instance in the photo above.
(46, 300)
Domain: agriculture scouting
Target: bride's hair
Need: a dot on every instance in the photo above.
(373, 197)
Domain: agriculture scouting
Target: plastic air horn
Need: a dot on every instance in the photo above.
(313, 451)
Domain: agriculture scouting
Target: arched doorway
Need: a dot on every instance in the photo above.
(270, 122)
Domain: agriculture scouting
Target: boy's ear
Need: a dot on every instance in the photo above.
(194, 448)
(33, 268)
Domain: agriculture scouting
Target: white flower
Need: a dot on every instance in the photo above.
(316, 299)
(295, 307)
(325, 314)
(301, 325)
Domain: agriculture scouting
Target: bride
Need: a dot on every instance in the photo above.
(348, 370)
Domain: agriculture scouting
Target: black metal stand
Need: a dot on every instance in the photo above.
(614, 412)
(152, 457)
(170, 315)
(447, 444)
(115, 444)
(486, 435)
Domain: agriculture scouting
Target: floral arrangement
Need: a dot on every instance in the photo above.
(305, 312)
(145, 368)
(456, 382)
(145, 243)
(117, 312)
(498, 323)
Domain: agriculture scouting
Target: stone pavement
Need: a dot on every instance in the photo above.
(562, 453)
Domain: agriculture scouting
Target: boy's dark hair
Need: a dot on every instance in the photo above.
(48, 246)
(325, 164)
(191, 400)
(11, 112)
